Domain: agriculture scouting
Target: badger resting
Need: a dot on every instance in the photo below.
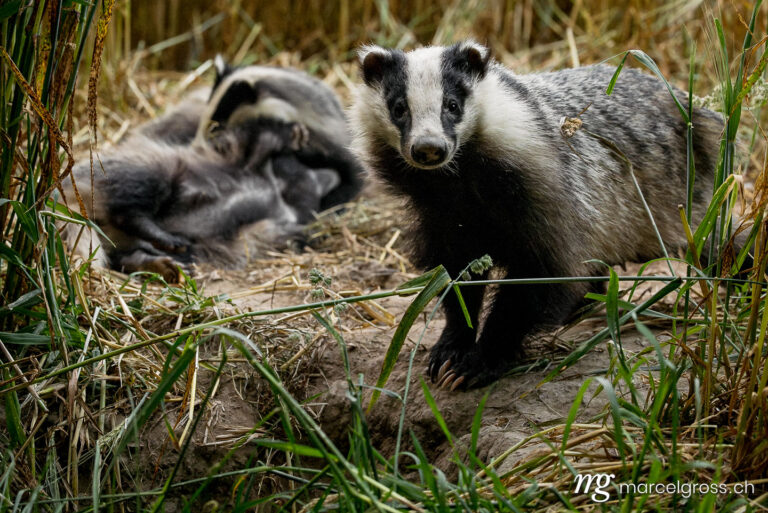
(479, 156)
(266, 145)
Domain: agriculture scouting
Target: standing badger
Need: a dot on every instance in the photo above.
(479, 155)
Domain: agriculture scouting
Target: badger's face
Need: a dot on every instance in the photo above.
(243, 94)
(421, 100)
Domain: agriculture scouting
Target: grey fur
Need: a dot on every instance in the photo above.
(198, 200)
(289, 95)
(510, 172)
(178, 125)
(165, 197)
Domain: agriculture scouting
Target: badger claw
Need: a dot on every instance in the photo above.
(299, 136)
(457, 383)
(447, 379)
(441, 372)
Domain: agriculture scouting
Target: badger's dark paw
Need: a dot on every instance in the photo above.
(297, 244)
(142, 260)
(460, 364)
(291, 238)
(449, 349)
(222, 141)
(166, 267)
(469, 370)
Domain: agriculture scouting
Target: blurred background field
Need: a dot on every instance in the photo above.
(527, 33)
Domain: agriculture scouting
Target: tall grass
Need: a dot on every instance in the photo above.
(705, 418)
(40, 54)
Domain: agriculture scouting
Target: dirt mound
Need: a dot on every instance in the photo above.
(517, 406)
(354, 259)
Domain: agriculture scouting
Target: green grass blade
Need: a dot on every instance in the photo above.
(438, 281)
(649, 63)
(616, 74)
(588, 345)
(463, 305)
(477, 421)
(436, 413)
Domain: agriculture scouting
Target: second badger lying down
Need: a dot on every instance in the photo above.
(261, 153)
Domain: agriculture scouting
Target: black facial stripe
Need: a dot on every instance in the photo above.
(242, 93)
(394, 87)
(237, 94)
(526, 96)
(456, 87)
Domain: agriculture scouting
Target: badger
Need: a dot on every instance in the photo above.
(178, 125)
(162, 205)
(168, 197)
(292, 96)
(485, 166)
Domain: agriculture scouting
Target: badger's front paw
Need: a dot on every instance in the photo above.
(290, 237)
(222, 141)
(457, 363)
(449, 349)
(471, 369)
(166, 267)
(144, 260)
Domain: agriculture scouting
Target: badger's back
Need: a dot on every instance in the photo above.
(640, 117)
(639, 123)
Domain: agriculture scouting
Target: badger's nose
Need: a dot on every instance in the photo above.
(429, 150)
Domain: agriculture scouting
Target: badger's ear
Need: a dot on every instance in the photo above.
(222, 68)
(374, 62)
(474, 58)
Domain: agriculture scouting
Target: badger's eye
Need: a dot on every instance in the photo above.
(400, 110)
(452, 106)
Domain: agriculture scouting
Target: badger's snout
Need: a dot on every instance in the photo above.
(429, 150)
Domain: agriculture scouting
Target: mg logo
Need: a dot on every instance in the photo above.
(602, 484)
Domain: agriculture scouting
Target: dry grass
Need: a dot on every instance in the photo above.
(140, 320)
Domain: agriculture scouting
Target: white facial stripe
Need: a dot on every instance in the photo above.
(273, 108)
(425, 92)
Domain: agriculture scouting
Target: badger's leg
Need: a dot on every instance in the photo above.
(301, 187)
(256, 140)
(274, 137)
(515, 312)
(432, 248)
(142, 226)
(457, 338)
(146, 260)
(136, 193)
